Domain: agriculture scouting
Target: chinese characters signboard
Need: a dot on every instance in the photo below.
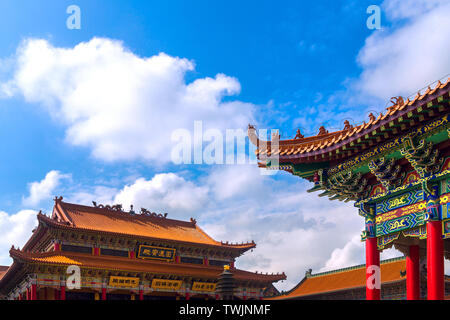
(123, 282)
(166, 284)
(203, 286)
(158, 253)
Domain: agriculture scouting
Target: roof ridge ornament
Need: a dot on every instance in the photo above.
(347, 125)
(396, 102)
(308, 273)
(152, 214)
(322, 131)
(299, 135)
(116, 207)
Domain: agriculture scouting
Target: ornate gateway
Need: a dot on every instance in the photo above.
(395, 168)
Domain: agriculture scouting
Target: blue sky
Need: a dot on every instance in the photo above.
(289, 55)
(88, 113)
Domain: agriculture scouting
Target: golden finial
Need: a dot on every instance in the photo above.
(226, 267)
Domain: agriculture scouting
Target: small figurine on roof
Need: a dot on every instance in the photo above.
(299, 135)
(347, 125)
(397, 101)
(322, 131)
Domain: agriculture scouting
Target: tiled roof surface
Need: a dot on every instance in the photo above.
(345, 279)
(138, 225)
(138, 265)
(309, 146)
(3, 270)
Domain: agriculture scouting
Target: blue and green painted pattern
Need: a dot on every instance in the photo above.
(396, 202)
(402, 223)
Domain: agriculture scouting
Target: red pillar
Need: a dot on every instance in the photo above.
(33, 292)
(28, 296)
(435, 261)
(413, 274)
(103, 293)
(187, 295)
(141, 294)
(373, 273)
(62, 295)
(132, 255)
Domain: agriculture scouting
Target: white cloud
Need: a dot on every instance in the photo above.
(351, 254)
(293, 230)
(404, 58)
(15, 230)
(43, 189)
(85, 195)
(235, 181)
(122, 106)
(401, 9)
(165, 192)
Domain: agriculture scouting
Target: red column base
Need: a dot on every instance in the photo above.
(435, 261)
(373, 273)
(33, 292)
(62, 294)
(413, 274)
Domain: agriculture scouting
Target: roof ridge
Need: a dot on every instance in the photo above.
(353, 267)
(125, 214)
(200, 237)
(323, 141)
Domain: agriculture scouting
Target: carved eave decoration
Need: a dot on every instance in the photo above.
(422, 156)
(389, 174)
(346, 187)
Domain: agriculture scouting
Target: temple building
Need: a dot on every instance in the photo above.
(350, 283)
(395, 168)
(120, 255)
